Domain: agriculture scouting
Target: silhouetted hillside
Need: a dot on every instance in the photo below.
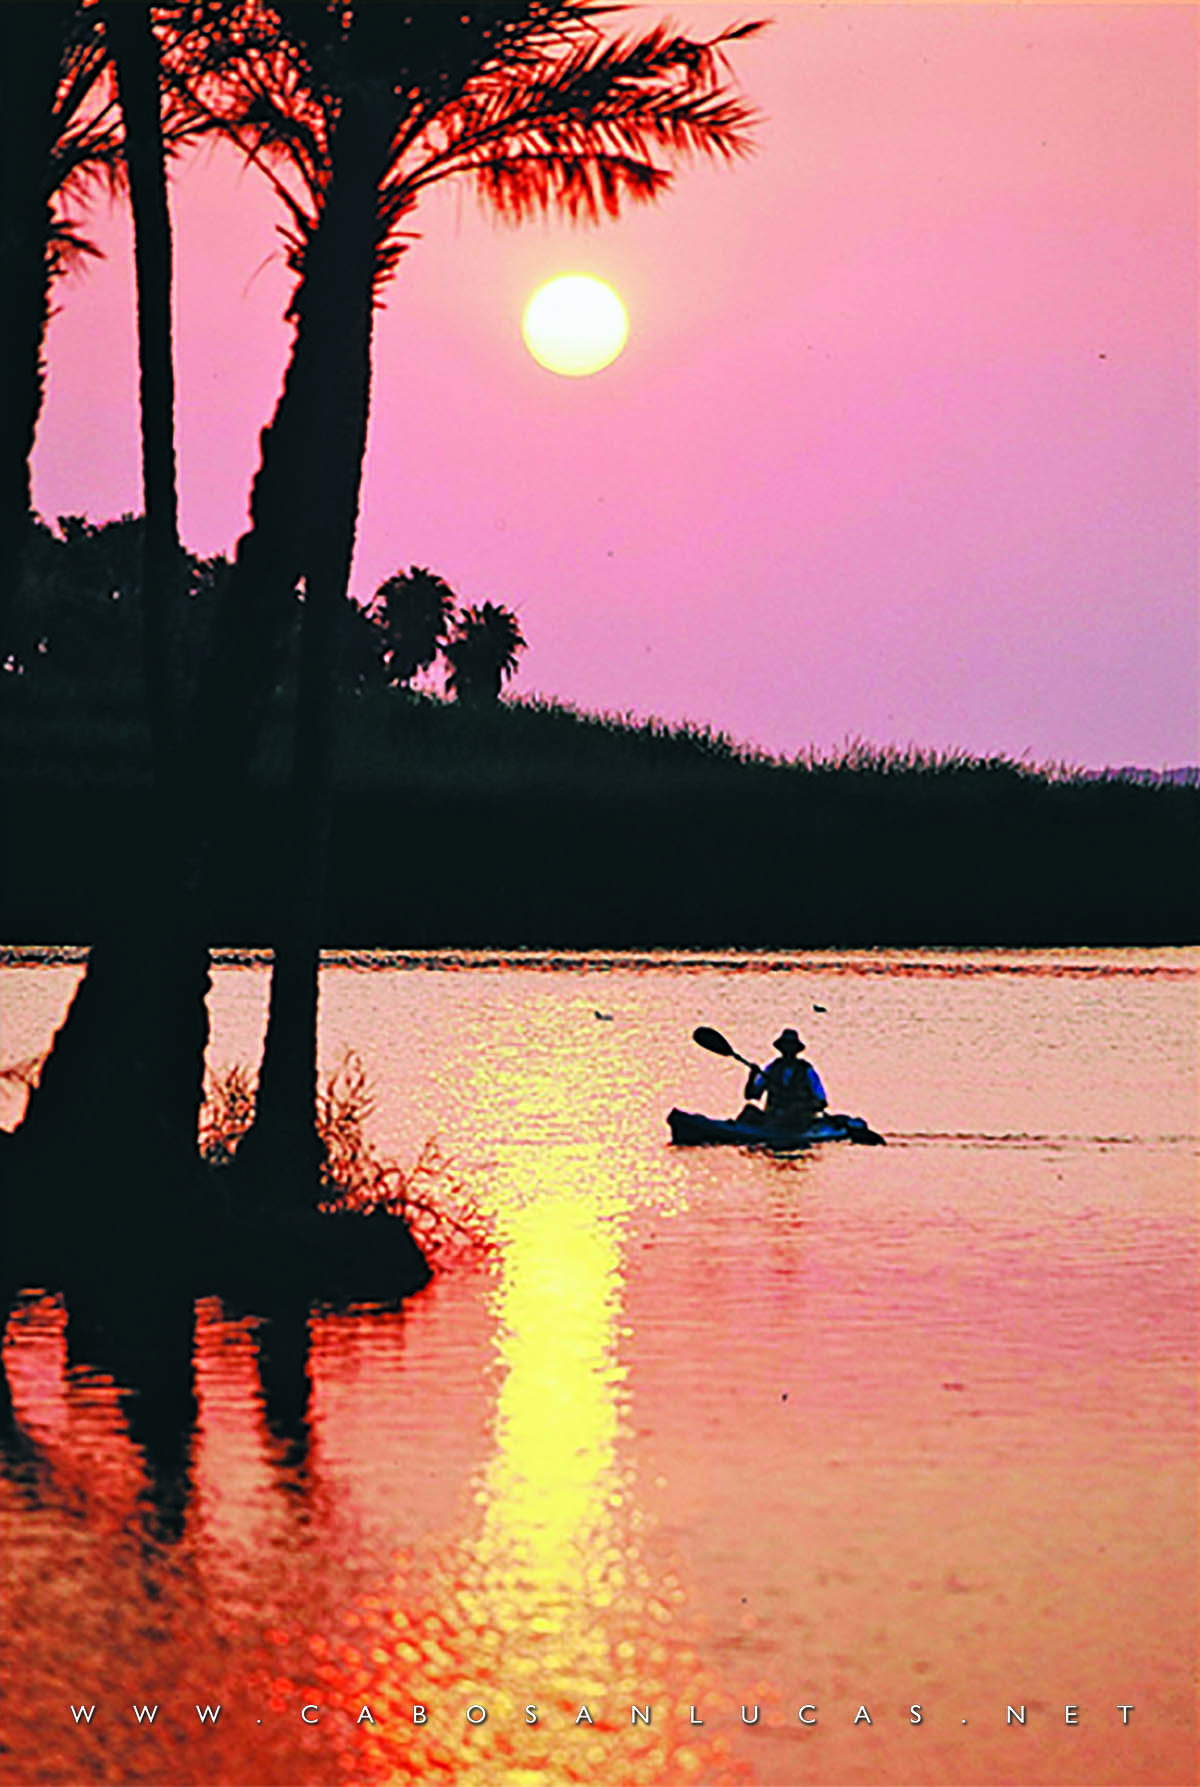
(529, 823)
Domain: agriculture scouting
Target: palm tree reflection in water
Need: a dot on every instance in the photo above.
(540, 1585)
(145, 1343)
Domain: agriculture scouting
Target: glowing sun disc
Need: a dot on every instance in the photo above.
(575, 325)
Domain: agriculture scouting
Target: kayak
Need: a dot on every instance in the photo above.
(691, 1128)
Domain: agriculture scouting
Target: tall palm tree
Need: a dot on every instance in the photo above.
(134, 52)
(354, 110)
(482, 651)
(127, 1021)
(173, 1031)
(412, 610)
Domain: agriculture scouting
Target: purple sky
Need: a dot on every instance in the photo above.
(903, 443)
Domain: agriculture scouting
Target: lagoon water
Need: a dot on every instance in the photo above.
(711, 1429)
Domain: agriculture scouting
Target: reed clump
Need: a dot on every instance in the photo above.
(443, 1218)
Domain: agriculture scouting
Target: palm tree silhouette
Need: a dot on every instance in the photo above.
(412, 611)
(105, 116)
(136, 61)
(482, 651)
(354, 113)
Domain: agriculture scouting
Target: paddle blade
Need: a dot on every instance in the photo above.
(713, 1041)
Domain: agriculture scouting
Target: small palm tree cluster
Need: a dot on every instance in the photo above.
(414, 617)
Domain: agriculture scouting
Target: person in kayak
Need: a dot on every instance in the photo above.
(795, 1096)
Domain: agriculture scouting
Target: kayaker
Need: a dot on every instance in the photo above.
(795, 1096)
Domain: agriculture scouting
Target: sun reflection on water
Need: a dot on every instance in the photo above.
(552, 1490)
(550, 1601)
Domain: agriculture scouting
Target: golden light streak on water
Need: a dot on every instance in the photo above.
(558, 1554)
(553, 1489)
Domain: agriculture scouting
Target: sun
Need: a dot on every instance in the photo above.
(575, 325)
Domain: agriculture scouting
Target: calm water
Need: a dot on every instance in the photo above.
(868, 1428)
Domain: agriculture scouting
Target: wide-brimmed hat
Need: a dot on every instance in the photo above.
(787, 1042)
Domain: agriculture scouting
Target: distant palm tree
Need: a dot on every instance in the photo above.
(412, 611)
(482, 651)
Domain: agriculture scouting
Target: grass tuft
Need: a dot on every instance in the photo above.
(442, 1216)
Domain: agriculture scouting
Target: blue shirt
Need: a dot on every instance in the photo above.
(784, 1077)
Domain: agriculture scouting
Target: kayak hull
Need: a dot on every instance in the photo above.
(690, 1128)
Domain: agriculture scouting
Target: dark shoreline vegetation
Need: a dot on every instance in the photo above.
(528, 823)
(378, 1232)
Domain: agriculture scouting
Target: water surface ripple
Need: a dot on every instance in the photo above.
(716, 1429)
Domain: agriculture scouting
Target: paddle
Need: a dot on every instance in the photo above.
(715, 1043)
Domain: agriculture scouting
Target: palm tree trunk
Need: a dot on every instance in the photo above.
(283, 1151)
(125, 1071)
(136, 1035)
(134, 50)
(290, 489)
(31, 40)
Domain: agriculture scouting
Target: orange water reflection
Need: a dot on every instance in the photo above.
(912, 1424)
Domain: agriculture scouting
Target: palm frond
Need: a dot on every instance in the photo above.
(67, 247)
(85, 68)
(83, 150)
(587, 129)
(526, 98)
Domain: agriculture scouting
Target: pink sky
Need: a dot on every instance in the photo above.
(904, 441)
